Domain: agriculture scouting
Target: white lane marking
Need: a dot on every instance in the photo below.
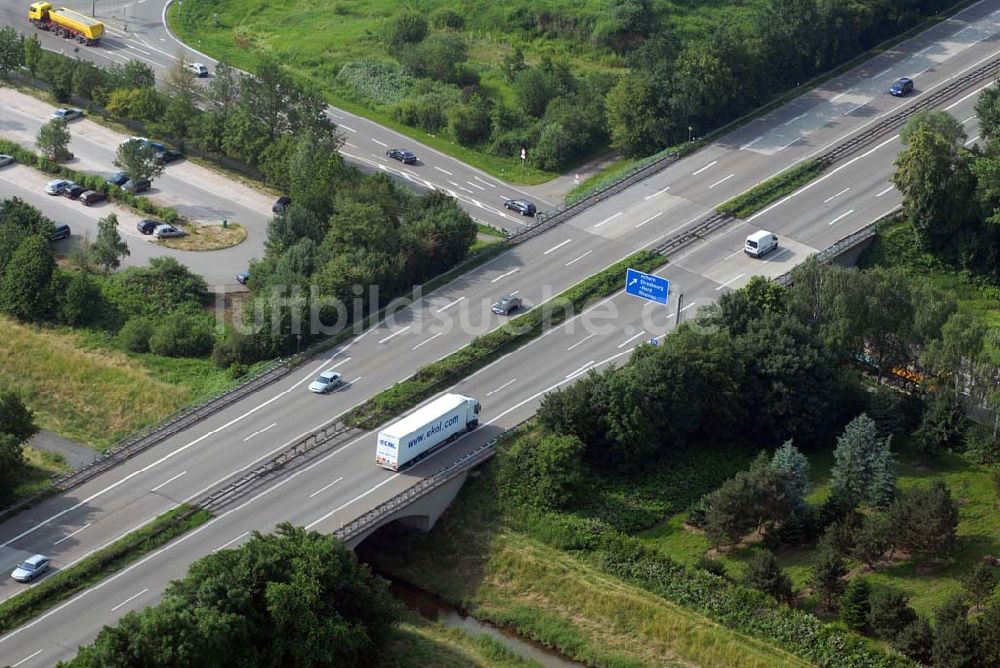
(351, 382)
(966, 97)
(699, 171)
(167, 482)
(630, 339)
(853, 109)
(503, 276)
(837, 195)
(133, 46)
(259, 431)
(890, 188)
(346, 128)
(972, 141)
(426, 341)
(841, 217)
(581, 341)
(491, 185)
(475, 185)
(839, 95)
(580, 370)
(925, 50)
(447, 306)
(790, 143)
(609, 218)
(687, 307)
(27, 658)
(458, 186)
(967, 120)
(68, 536)
(347, 143)
(883, 73)
(516, 292)
(721, 181)
(731, 280)
(326, 487)
(395, 334)
(657, 193)
(653, 217)
(230, 542)
(513, 380)
(557, 247)
(443, 170)
(579, 258)
(789, 122)
(130, 598)
(380, 143)
(751, 143)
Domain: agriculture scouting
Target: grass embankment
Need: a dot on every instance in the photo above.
(38, 470)
(82, 389)
(416, 643)
(63, 584)
(773, 189)
(476, 560)
(504, 339)
(208, 237)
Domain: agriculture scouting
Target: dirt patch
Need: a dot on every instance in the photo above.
(208, 237)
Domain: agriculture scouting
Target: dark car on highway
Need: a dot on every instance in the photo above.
(507, 304)
(92, 197)
(74, 191)
(521, 206)
(401, 154)
(901, 87)
(147, 226)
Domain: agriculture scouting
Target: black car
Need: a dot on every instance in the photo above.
(283, 203)
(61, 231)
(243, 277)
(74, 192)
(901, 87)
(401, 154)
(523, 207)
(92, 197)
(507, 304)
(138, 186)
(117, 179)
(147, 226)
(166, 157)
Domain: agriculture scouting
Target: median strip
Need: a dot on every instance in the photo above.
(773, 189)
(484, 349)
(61, 585)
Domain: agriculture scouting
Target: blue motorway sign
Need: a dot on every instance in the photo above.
(647, 286)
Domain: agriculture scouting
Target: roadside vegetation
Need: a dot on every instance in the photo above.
(562, 80)
(773, 189)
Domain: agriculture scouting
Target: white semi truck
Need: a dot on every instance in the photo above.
(425, 429)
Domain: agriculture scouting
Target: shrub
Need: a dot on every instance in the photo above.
(855, 604)
(135, 334)
(182, 335)
(382, 82)
(469, 123)
(545, 472)
(889, 613)
(447, 18)
(407, 27)
(763, 573)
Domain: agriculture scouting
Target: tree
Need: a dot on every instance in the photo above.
(142, 104)
(980, 583)
(53, 139)
(138, 160)
(882, 489)
(872, 541)
(988, 111)
(789, 461)
(135, 74)
(955, 643)
(889, 613)
(11, 464)
(109, 248)
(90, 81)
(633, 118)
(916, 641)
(855, 604)
(864, 465)
(703, 88)
(942, 426)
(178, 80)
(924, 521)
(407, 27)
(988, 631)
(16, 419)
(81, 301)
(952, 357)
(288, 598)
(57, 71)
(764, 573)
(32, 54)
(940, 123)
(827, 580)
(546, 472)
(26, 285)
(737, 309)
(11, 50)
(749, 500)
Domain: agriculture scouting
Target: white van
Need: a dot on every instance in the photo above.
(760, 243)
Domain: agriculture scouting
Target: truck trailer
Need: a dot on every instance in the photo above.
(65, 22)
(417, 434)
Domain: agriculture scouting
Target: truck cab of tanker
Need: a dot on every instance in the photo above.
(39, 11)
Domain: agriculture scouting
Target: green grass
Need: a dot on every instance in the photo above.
(37, 472)
(417, 643)
(61, 585)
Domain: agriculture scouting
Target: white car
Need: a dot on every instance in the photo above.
(6, 160)
(167, 231)
(198, 69)
(325, 382)
(56, 187)
(31, 568)
(67, 114)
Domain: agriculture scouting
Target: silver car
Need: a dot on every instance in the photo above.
(67, 114)
(166, 232)
(6, 160)
(31, 568)
(57, 186)
(326, 381)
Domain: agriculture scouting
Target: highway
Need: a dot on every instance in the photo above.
(344, 483)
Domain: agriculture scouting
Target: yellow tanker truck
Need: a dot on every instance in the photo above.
(65, 22)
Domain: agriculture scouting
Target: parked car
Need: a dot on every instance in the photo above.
(243, 277)
(116, 179)
(92, 197)
(31, 568)
(401, 154)
(507, 304)
(6, 160)
(198, 69)
(147, 226)
(168, 156)
(521, 206)
(67, 114)
(902, 87)
(138, 186)
(61, 231)
(281, 204)
(167, 231)
(74, 191)
(326, 381)
(56, 186)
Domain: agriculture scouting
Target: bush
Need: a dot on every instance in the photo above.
(545, 472)
(135, 334)
(182, 335)
(447, 18)
(381, 81)
(554, 148)
(855, 604)
(981, 446)
(889, 613)
(764, 573)
(469, 123)
(428, 109)
(407, 27)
